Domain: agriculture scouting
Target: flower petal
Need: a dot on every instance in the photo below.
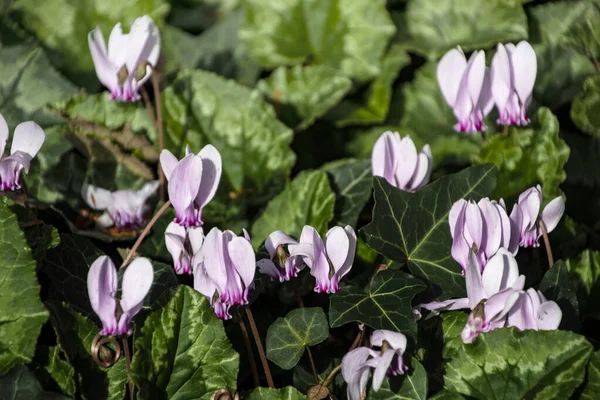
(168, 162)
(102, 282)
(117, 46)
(552, 213)
(383, 364)
(548, 316)
(211, 175)
(28, 138)
(183, 188)
(214, 259)
(3, 134)
(396, 340)
(407, 162)
(337, 245)
(450, 71)
(137, 281)
(318, 264)
(353, 370)
(500, 272)
(276, 239)
(105, 70)
(97, 198)
(383, 157)
(243, 258)
(501, 77)
(475, 291)
(422, 171)
(195, 236)
(202, 283)
(268, 267)
(476, 75)
(525, 70)
(492, 227)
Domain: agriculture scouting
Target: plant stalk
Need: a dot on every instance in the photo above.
(259, 346)
(127, 363)
(547, 243)
(312, 365)
(248, 345)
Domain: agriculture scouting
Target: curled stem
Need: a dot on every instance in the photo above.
(547, 243)
(127, 363)
(100, 352)
(250, 353)
(259, 346)
(160, 128)
(144, 233)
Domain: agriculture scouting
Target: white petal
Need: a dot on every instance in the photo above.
(28, 138)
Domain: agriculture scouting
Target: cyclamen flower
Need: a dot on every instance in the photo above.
(27, 142)
(533, 311)
(512, 75)
(182, 244)
(130, 58)
(526, 215)
(399, 163)
(224, 270)
(193, 182)
(282, 265)
(102, 283)
(388, 361)
(329, 260)
(125, 209)
(466, 88)
(483, 227)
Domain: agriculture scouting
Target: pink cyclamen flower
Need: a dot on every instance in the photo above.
(466, 88)
(483, 227)
(526, 215)
(125, 209)
(357, 364)
(283, 265)
(512, 76)
(102, 283)
(130, 58)
(398, 162)
(330, 259)
(27, 142)
(224, 270)
(533, 311)
(182, 243)
(193, 182)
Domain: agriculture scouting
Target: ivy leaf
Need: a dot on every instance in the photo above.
(22, 314)
(447, 395)
(52, 370)
(556, 285)
(27, 83)
(436, 27)
(412, 228)
(303, 94)
(203, 108)
(509, 364)
(586, 107)
(351, 182)
(584, 273)
(373, 104)
(287, 337)
(22, 385)
(348, 35)
(287, 393)
(385, 303)
(412, 385)
(183, 352)
(307, 200)
(592, 384)
(117, 380)
(526, 157)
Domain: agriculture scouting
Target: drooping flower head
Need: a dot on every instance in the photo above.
(193, 182)
(182, 243)
(283, 265)
(125, 209)
(330, 259)
(398, 162)
(27, 142)
(357, 364)
(466, 88)
(224, 270)
(512, 74)
(130, 58)
(102, 284)
(526, 215)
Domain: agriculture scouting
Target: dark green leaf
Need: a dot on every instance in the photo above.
(410, 386)
(584, 273)
(117, 380)
(348, 35)
(584, 36)
(592, 383)
(509, 364)
(307, 200)
(182, 351)
(20, 384)
(287, 393)
(52, 370)
(586, 107)
(384, 304)
(557, 286)
(447, 395)
(287, 337)
(22, 313)
(412, 228)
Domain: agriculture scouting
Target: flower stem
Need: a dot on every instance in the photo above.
(312, 365)
(359, 338)
(546, 243)
(332, 375)
(159, 125)
(125, 342)
(259, 346)
(250, 353)
(144, 233)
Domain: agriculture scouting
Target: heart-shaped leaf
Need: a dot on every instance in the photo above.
(287, 393)
(21, 384)
(592, 385)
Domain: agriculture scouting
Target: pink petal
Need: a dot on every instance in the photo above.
(474, 225)
(422, 172)
(276, 239)
(211, 175)
(383, 158)
(318, 264)
(168, 162)
(455, 211)
(183, 188)
(3, 134)
(214, 259)
(202, 283)
(450, 71)
(137, 281)
(548, 316)
(407, 161)
(475, 291)
(117, 46)
(28, 138)
(383, 364)
(102, 282)
(97, 198)
(476, 75)
(552, 213)
(396, 340)
(501, 77)
(243, 258)
(105, 70)
(492, 227)
(196, 238)
(500, 273)
(337, 245)
(525, 69)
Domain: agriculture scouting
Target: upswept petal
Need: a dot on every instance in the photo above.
(473, 280)
(422, 171)
(318, 264)
(214, 260)
(500, 273)
(147, 191)
(383, 364)
(175, 242)
(455, 215)
(501, 77)
(276, 239)
(102, 282)
(474, 225)
(4, 133)
(202, 283)
(548, 316)
(355, 372)
(524, 63)
(117, 46)
(105, 70)
(196, 238)
(450, 71)
(337, 245)
(552, 213)
(137, 281)
(476, 75)
(268, 267)
(168, 162)
(97, 198)
(383, 157)
(407, 161)
(492, 227)
(243, 258)
(396, 340)
(183, 188)
(211, 175)
(28, 138)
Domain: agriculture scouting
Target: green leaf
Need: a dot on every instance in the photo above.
(22, 314)
(287, 337)
(584, 37)
(529, 156)
(412, 228)
(453, 324)
(586, 107)
(351, 182)
(287, 393)
(447, 395)
(584, 273)
(435, 27)
(592, 383)
(68, 39)
(201, 108)
(51, 369)
(117, 380)
(182, 351)
(303, 94)
(410, 386)
(21, 384)
(27, 83)
(508, 364)
(384, 304)
(307, 200)
(557, 286)
(348, 35)
(373, 104)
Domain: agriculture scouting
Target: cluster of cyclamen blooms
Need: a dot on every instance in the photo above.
(471, 89)
(27, 141)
